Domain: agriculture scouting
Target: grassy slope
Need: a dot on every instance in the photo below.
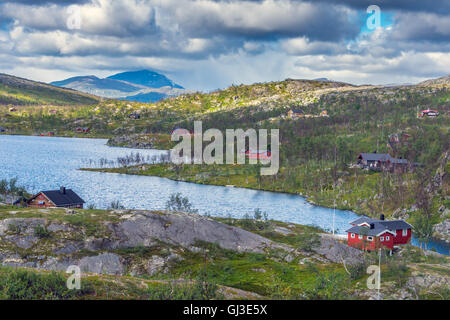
(17, 91)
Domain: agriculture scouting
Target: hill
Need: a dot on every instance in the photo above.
(141, 86)
(18, 91)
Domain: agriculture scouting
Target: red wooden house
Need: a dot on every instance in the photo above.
(62, 198)
(370, 234)
(258, 154)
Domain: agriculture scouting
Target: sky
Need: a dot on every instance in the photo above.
(210, 44)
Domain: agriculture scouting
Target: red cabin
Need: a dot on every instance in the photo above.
(370, 234)
(428, 113)
(62, 198)
(258, 154)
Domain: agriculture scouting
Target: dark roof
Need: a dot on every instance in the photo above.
(399, 161)
(367, 231)
(396, 224)
(375, 156)
(379, 226)
(382, 157)
(363, 219)
(63, 199)
(297, 110)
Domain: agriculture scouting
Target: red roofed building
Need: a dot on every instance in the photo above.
(370, 234)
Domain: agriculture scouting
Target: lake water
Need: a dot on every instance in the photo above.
(45, 163)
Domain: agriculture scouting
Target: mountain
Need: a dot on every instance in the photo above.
(18, 91)
(146, 78)
(141, 86)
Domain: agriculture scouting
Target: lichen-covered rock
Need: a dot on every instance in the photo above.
(442, 230)
(155, 265)
(105, 263)
(339, 252)
(184, 229)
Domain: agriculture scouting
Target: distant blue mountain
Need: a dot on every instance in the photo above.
(146, 78)
(84, 82)
(142, 86)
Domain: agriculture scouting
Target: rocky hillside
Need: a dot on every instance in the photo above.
(18, 91)
(156, 248)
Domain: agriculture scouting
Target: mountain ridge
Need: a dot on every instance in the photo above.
(141, 86)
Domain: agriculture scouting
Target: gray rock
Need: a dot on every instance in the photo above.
(338, 252)
(185, 230)
(155, 265)
(105, 263)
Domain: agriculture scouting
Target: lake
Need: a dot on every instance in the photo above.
(45, 163)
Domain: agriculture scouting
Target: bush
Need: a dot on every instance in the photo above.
(28, 285)
(308, 240)
(202, 289)
(178, 203)
(41, 232)
(14, 228)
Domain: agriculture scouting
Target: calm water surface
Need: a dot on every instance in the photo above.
(43, 163)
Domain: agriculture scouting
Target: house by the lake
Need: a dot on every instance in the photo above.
(381, 161)
(430, 113)
(371, 234)
(62, 198)
(2, 129)
(82, 129)
(258, 154)
(295, 113)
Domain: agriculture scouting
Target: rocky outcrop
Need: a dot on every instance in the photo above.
(442, 230)
(338, 252)
(65, 244)
(183, 229)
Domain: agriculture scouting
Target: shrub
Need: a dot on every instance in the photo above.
(14, 228)
(202, 289)
(28, 285)
(178, 203)
(41, 232)
(308, 240)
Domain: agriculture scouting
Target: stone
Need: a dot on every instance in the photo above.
(105, 263)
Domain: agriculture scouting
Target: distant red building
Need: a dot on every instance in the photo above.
(258, 154)
(428, 113)
(370, 234)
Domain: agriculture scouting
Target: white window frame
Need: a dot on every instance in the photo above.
(387, 238)
(382, 239)
(405, 232)
(360, 236)
(370, 238)
(352, 235)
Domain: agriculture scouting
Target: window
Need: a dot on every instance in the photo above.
(360, 237)
(405, 232)
(381, 239)
(353, 236)
(387, 238)
(41, 203)
(370, 238)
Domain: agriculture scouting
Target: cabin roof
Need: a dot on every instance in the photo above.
(62, 199)
(375, 156)
(377, 230)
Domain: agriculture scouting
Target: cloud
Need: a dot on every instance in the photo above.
(206, 44)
